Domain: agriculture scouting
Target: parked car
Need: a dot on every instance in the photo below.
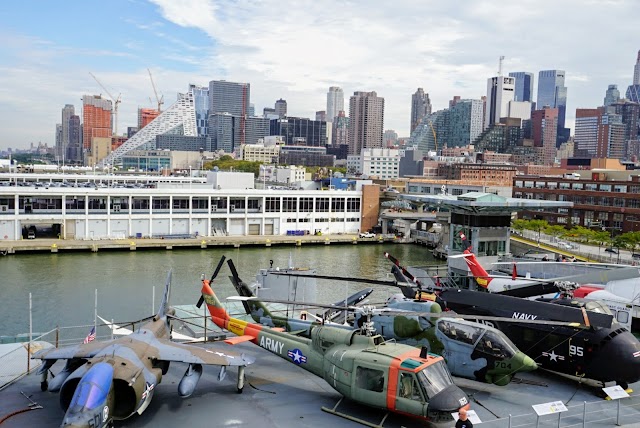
(635, 256)
(367, 235)
(31, 235)
(611, 250)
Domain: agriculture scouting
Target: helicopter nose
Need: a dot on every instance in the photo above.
(524, 363)
(449, 400)
(624, 350)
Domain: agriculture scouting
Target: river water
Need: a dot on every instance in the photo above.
(63, 285)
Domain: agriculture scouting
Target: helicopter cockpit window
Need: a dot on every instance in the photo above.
(408, 387)
(495, 345)
(460, 332)
(370, 379)
(435, 378)
(601, 308)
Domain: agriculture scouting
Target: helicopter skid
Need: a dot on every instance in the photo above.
(333, 411)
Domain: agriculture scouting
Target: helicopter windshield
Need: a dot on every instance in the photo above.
(499, 346)
(435, 378)
(599, 307)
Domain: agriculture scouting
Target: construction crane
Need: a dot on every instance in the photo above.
(116, 102)
(159, 100)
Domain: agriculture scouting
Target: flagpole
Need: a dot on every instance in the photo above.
(153, 299)
(30, 334)
(95, 312)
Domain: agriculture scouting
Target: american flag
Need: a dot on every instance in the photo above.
(91, 336)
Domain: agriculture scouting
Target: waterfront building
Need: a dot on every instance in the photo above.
(465, 122)
(226, 204)
(99, 150)
(366, 121)
(300, 130)
(281, 108)
(604, 198)
(500, 90)
(178, 119)
(96, 119)
(553, 93)
(524, 86)
(612, 95)
(420, 107)
(335, 102)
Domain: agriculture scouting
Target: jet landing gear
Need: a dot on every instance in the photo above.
(44, 384)
(240, 379)
(333, 411)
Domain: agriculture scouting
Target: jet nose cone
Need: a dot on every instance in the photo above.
(525, 363)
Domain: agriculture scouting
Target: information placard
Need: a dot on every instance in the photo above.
(549, 408)
(615, 392)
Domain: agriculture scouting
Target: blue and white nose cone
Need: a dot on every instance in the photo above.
(89, 405)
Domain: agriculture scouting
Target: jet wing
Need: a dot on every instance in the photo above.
(83, 350)
(171, 351)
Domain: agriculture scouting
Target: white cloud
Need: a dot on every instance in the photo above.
(296, 50)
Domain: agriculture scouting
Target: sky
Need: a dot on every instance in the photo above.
(296, 49)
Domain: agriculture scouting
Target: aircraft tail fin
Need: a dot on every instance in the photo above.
(218, 313)
(479, 273)
(164, 304)
(255, 308)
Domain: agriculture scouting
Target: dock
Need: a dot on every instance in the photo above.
(43, 245)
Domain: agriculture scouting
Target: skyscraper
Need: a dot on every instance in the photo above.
(420, 107)
(96, 119)
(74, 149)
(544, 124)
(67, 111)
(524, 85)
(340, 130)
(229, 97)
(553, 93)
(281, 108)
(465, 122)
(636, 71)
(201, 104)
(232, 98)
(366, 121)
(335, 102)
(500, 91)
(633, 91)
(612, 95)
(321, 115)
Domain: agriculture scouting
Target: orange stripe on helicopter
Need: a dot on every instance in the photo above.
(392, 387)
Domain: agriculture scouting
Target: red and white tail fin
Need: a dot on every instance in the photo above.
(218, 313)
(480, 274)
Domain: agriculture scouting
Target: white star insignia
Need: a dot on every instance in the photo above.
(553, 356)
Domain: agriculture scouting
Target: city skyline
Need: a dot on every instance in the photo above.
(448, 49)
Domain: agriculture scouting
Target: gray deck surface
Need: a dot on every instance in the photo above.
(279, 394)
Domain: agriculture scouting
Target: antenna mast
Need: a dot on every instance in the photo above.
(500, 65)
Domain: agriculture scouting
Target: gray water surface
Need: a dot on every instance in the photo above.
(63, 285)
